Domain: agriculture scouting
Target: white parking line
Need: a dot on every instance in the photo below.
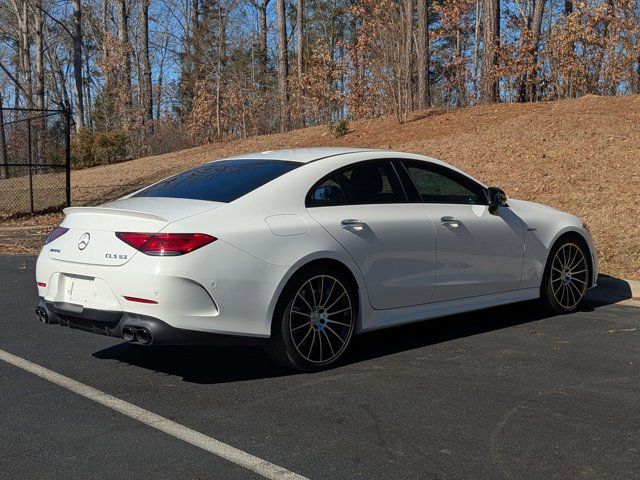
(221, 449)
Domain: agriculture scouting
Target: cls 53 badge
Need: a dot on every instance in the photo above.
(115, 256)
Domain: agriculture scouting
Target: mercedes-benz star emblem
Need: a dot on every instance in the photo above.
(84, 241)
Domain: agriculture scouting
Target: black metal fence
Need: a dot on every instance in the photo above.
(35, 160)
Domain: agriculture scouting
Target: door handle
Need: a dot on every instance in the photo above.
(353, 224)
(450, 221)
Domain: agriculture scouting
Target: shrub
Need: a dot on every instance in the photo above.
(339, 128)
(91, 148)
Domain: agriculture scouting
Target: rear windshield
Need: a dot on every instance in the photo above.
(222, 181)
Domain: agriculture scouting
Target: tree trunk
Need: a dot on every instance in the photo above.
(422, 52)
(24, 46)
(105, 44)
(538, 13)
(262, 54)
(146, 66)
(283, 65)
(568, 90)
(476, 43)
(39, 41)
(222, 52)
(87, 88)
(125, 45)
(77, 65)
(161, 76)
(300, 35)
(59, 80)
(527, 89)
(408, 48)
(489, 84)
(568, 7)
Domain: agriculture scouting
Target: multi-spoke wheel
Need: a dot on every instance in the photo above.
(315, 320)
(566, 277)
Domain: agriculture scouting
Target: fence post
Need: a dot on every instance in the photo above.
(3, 142)
(30, 164)
(67, 115)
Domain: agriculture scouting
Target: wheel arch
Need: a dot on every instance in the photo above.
(349, 269)
(582, 240)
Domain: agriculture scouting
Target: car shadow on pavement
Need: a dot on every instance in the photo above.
(223, 364)
(198, 364)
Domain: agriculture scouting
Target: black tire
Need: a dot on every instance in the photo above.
(566, 276)
(318, 339)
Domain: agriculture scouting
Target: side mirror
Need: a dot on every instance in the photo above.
(497, 198)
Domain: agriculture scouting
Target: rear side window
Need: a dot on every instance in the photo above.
(328, 192)
(364, 183)
(222, 181)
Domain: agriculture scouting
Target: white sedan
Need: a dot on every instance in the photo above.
(301, 249)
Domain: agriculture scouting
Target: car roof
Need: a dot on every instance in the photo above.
(302, 155)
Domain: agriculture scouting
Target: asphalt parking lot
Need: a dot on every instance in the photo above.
(503, 393)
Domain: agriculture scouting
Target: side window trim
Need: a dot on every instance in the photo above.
(336, 174)
(466, 182)
(411, 191)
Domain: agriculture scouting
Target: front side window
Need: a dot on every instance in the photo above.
(222, 181)
(364, 183)
(436, 184)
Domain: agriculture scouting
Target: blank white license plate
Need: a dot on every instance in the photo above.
(79, 290)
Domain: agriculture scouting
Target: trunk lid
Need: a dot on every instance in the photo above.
(91, 237)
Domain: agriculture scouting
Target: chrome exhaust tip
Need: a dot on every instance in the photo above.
(143, 336)
(129, 334)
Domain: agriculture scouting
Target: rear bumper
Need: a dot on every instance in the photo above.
(216, 289)
(115, 323)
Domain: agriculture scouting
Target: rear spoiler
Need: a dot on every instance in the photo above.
(114, 211)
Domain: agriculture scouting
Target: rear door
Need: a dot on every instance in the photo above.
(478, 252)
(364, 207)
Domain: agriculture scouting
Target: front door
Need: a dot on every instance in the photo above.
(478, 252)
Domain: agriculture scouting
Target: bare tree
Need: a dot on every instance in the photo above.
(489, 85)
(23, 81)
(262, 54)
(221, 54)
(408, 49)
(300, 35)
(147, 84)
(423, 54)
(39, 44)
(105, 43)
(77, 64)
(283, 65)
(527, 89)
(125, 45)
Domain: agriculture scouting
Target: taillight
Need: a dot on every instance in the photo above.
(165, 244)
(56, 233)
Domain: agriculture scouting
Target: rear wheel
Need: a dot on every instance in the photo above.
(566, 277)
(314, 320)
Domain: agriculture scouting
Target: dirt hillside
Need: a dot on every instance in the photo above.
(582, 156)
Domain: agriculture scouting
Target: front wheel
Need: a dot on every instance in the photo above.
(314, 320)
(566, 277)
